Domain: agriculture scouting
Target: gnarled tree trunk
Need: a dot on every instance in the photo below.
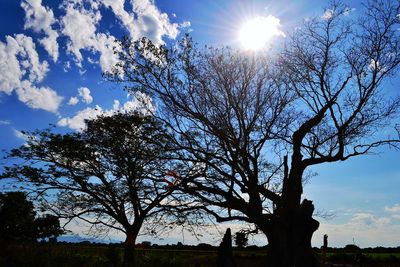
(289, 235)
(129, 248)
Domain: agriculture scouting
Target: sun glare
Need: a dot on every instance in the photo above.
(257, 32)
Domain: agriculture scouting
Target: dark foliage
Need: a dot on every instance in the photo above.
(241, 239)
(17, 218)
(48, 227)
(18, 223)
(113, 175)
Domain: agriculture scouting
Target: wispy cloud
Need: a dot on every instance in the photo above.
(20, 135)
(393, 209)
(365, 229)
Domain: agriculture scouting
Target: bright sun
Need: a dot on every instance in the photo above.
(257, 32)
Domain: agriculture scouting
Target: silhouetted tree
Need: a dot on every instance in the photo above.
(16, 218)
(18, 222)
(241, 239)
(112, 175)
(252, 125)
(48, 227)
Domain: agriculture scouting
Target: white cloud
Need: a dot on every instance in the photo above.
(141, 103)
(67, 66)
(20, 69)
(117, 6)
(394, 209)
(91, 61)
(328, 14)
(10, 70)
(19, 60)
(185, 24)
(81, 71)
(145, 20)
(396, 216)
(367, 220)
(20, 135)
(73, 101)
(79, 25)
(78, 121)
(84, 93)
(4, 122)
(104, 46)
(41, 19)
(152, 23)
(39, 98)
(365, 229)
(27, 49)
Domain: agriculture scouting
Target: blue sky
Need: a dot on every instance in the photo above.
(52, 54)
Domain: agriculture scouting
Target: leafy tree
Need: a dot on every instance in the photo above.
(48, 226)
(253, 124)
(112, 175)
(16, 218)
(18, 222)
(241, 239)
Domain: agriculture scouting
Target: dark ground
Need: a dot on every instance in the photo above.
(95, 255)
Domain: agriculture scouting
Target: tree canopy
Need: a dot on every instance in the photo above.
(253, 124)
(47, 226)
(17, 218)
(18, 223)
(115, 174)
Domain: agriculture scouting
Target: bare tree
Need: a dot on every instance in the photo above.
(249, 126)
(112, 175)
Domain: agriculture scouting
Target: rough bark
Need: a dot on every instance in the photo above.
(289, 236)
(129, 249)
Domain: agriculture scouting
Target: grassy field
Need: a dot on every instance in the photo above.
(75, 255)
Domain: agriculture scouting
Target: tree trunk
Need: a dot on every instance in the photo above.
(129, 249)
(289, 236)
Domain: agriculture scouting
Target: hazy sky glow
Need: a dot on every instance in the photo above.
(259, 31)
(52, 54)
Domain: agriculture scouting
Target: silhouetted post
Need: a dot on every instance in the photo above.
(324, 248)
(225, 255)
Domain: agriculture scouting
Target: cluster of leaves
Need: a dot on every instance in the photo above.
(117, 173)
(18, 223)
